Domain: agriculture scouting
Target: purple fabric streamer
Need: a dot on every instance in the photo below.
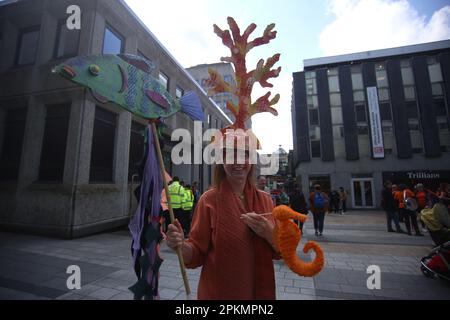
(151, 180)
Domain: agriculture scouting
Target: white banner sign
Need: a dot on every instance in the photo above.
(375, 123)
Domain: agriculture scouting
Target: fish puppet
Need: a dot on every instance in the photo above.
(126, 80)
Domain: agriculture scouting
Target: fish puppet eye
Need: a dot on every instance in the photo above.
(94, 69)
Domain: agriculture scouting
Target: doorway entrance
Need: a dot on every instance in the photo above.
(363, 194)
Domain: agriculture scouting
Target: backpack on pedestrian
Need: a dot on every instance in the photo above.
(319, 200)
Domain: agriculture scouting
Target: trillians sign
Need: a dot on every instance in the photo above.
(423, 175)
(375, 123)
(430, 178)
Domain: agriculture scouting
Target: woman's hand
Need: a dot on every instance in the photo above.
(260, 225)
(175, 235)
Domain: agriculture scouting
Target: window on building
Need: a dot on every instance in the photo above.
(112, 42)
(315, 149)
(357, 80)
(411, 110)
(179, 92)
(335, 99)
(14, 131)
(314, 132)
(358, 96)
(333, 83)
(383, 94)
(381, 75)
(439, 106)
(53, 154)
(410, 93)
(312, 101)
(67, 41)
(164, 79)
(417, 150)
(314, 117)
(137, 141)
(413, 124)
(385, 111)
(103, 141)
(336, 116)
(363, 130)
(360, 111)
(27, 46)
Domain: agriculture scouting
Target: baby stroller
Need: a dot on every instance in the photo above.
(437, 262)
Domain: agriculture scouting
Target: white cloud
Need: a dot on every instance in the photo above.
(376, 24)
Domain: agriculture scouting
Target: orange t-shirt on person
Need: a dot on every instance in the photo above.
(398, 195)
(421, 197)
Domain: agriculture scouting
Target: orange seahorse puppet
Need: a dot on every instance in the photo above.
(286, 233)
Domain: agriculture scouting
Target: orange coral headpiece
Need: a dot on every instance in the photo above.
(239, 47)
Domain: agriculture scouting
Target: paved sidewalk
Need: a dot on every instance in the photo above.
(35, 267)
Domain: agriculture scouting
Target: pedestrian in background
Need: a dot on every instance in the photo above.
(318, 204)
(187, 205)
(176, 193)
(343, 200)
(422, 198)
(410, 216)
(388, 204)
(297, 202)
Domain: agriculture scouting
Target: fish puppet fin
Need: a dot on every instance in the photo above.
(190, 105)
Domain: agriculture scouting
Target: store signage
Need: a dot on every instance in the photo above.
(375, 123)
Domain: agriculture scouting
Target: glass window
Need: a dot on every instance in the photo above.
(411, 110)
(357, 81)
(314, 117)
(338, 132)
(332, 72)
(103, 140)
(137, 142)
(335, 99)
(358, 96)
(333, 83)
(383, 94)
(417, 150)
(28, 46)
(439, 107)
(315, 149)
(363, 130)
(164, 80)
(66, 41)
(405, 64)
(336, 116)
(313, 102)
(310, 74)
(382, 80)
(437, 89)
(14, 130)
(435, 73)
(112, 42)
(311, 86)
(54, 145)
(179, 92)
(407, 76)
(385, 111)
(410, 94)
(360, 111)
(314, 132)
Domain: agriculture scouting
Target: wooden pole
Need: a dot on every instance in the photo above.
(172, 217)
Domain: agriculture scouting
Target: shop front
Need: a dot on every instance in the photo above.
(429, 178)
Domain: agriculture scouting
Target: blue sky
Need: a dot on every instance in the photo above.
(306, 29)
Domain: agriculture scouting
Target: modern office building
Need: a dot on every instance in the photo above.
(68, 164)
(226, 70)
(361, 119)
